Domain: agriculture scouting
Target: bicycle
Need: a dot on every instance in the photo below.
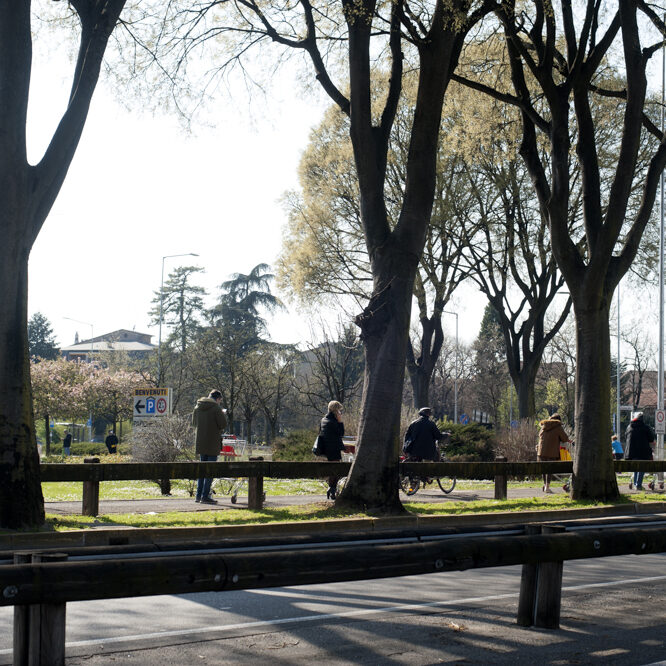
(410, 485)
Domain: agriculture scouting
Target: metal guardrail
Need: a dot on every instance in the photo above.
(39, 585)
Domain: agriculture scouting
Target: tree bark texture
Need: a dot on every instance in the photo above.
(26, 196)
(593, 471)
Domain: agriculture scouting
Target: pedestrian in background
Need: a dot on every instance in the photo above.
(331, 431)
(210, 420)
(616, 445)
(548, 448)
(640, 439)
(111, 442)
(67, 443)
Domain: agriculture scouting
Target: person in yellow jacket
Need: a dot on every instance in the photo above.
(548, 448)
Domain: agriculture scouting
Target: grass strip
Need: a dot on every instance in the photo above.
(324, 511)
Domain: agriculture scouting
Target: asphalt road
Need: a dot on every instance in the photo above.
(613, 612)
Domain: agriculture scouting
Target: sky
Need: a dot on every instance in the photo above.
(141, 188)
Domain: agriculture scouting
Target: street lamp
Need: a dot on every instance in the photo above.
(159, 338)
(92, 354)
(455, 379)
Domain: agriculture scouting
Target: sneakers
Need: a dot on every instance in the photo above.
(640, 488)
(208, 500)
(197, 499)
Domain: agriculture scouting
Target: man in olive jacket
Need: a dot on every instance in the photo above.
(210, 421)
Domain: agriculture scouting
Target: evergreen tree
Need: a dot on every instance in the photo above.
(41, 342)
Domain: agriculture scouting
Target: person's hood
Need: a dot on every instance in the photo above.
(204, 404)
(550, 424)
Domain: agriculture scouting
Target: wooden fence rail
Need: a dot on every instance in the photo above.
(92, 473)
(54, 583)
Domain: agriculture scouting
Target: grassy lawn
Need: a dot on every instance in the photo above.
(323, 511)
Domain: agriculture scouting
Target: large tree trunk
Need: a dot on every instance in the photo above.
(594, 474)
(21, 500)
(373, 482)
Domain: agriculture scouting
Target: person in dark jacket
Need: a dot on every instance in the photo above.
(421, 438)
(111, 442)
(210, 421)
(640, 439)
(67, 443)
(331, 431)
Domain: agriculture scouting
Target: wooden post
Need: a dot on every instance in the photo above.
(500, 481)
(528, 586)
(21, 622)
(46, 634)
(549, 589)
(255, 490)
(90, 503)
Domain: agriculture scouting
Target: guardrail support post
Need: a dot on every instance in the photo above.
(549, 589)
(528, 586)
(21, 622)
(44, 632)
(255, 490)
(541, 588)
(90, 502)
(500, 481)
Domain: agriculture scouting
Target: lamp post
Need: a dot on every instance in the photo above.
(455, 379)
(92, 354)
(159, 337)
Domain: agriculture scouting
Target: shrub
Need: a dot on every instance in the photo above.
(518, 444)
(468, 443)
(295, 446)
(165, 439)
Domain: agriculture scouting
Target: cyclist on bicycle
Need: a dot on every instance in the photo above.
(421, 439)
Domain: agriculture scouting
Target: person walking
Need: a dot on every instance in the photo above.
(616, 446)
(111, 442)
(548, 448)
(640, 439)
(331, 431)
(67, 443)
(210, 420)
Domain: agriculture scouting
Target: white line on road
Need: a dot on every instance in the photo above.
(328, 616)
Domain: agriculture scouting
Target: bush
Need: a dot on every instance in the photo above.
(296, 446)
(167, 439)
(468, 443)
(87, 449)
(518, 444)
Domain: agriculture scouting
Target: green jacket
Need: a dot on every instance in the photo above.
(210, 422)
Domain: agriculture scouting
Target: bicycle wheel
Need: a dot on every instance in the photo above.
(446, 483)
(410, 486)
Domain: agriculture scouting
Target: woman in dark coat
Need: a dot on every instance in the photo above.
(331, 431)
(640, 440)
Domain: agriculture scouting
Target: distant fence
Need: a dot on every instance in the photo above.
(92, 473)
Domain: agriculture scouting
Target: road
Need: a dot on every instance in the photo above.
(612, 613)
